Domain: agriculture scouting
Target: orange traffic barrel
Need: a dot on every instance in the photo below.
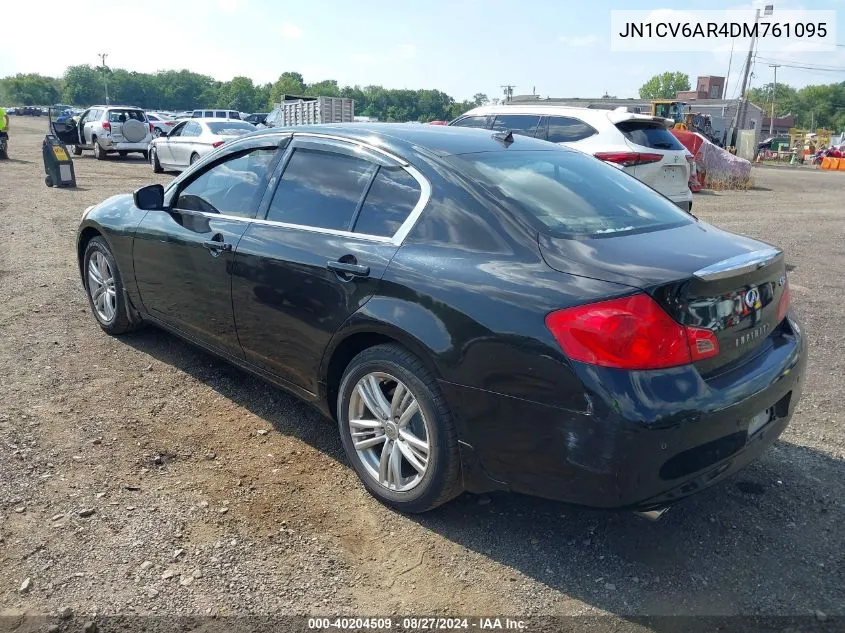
(826, 162)
(834, 162)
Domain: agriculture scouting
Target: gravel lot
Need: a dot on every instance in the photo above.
(140, 475)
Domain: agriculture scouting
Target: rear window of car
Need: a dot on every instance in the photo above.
(118, 116)
(647, 134)
(230, 128)
(571, 194)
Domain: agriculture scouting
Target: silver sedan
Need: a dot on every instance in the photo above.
(190, 140)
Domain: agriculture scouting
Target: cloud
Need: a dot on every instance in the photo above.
(407, 51)
(578, 40)
(290, 31)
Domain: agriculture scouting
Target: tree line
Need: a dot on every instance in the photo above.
(820, 106)
(176, 90)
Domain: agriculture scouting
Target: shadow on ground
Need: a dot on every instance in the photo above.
(769, 541)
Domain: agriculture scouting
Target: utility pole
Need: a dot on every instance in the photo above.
(774, 96)
(508, 88)
(102, 57)
(743, 103)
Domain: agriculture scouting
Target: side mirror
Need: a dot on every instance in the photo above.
(149, 198)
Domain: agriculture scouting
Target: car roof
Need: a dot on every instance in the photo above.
(116, 107)
(402, 138)
(219, 119)
(593, 116)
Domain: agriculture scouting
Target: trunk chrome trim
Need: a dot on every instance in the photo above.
(739, 264)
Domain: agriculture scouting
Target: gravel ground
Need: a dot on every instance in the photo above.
(140, 475)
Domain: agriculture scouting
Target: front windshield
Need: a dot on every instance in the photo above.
(570, 193)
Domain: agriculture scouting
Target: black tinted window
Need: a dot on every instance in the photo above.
(571, 193)
(473, 121)
(564, 129)
(525, 124)
(233, 187)
(389, 202)
(320, 189)
(119, 116)
(647, 134)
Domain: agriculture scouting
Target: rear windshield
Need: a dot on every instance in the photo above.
(230, 128)
(647, 134)
(119, 116)
(572, 194)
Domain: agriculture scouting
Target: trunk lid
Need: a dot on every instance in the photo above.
(702, 276)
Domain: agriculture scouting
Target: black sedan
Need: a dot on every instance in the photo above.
(477, 310)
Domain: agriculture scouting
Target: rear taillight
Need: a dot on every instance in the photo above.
(152, 127)
(628, 159)
(629, 333)
(783, 302)
(170, 123)
(217, 143)
(107, 126)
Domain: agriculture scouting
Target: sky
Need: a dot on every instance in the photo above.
(558, 48)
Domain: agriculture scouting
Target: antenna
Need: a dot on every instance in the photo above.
(508, 91)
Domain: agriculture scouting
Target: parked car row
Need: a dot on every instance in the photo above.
(168, 143)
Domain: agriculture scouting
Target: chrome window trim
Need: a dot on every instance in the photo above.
(397, 239)
(739, 264)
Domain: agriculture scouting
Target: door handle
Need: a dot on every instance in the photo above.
(345, 268)
(216, 247)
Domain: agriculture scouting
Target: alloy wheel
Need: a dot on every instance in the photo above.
(101, 287)
(389, 431)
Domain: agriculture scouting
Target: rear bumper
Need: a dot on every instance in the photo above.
(111, 146)
(645, 440)
(684, 200)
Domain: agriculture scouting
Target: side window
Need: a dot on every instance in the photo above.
(177, 131)
(525, 124)
(208, 114)
(320, 189)
(234, 115)
(196, 114)
(233, 187)
(473, 121)
(563, 129)
(219, 115)
(389, 202)
(192, 129)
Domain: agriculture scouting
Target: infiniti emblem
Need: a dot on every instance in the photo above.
(752, 298)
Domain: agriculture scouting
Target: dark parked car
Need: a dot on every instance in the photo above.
(477, 310)
(257, 118)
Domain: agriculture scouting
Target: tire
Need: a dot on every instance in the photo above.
(122, 154)
(99, 152)
(157, 169)
(428, 424)
(77, 151)
(48, 181)
(194, 158)
(112, 313)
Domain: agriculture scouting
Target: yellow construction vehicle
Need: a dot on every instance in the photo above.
(675, 110)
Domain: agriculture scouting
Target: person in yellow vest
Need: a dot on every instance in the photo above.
(4, 120)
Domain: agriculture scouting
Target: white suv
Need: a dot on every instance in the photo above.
(108, 129)
(639, 144)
